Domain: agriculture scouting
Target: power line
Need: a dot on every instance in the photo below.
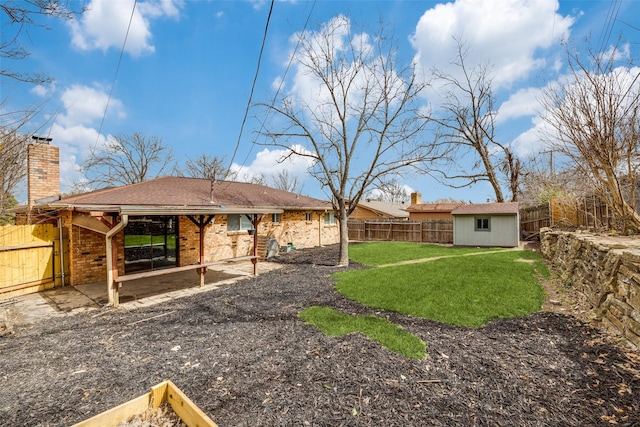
(115, 76)
(612, 16)
(253, 86)
(286, 71)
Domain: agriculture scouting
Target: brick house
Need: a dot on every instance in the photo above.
(419, 211)
(371, 210)
(169, 221)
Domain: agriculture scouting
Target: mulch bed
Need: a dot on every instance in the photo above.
(243, 356)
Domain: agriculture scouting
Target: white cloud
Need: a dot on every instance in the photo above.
(74, 142)
(84, 104)
(269, 163)
(42, 91)
(505, 33)
(524, 102)
(73, 128)
(104, 24)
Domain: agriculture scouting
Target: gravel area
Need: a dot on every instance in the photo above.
(244, 357)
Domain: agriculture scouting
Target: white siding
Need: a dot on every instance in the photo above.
(505, 231)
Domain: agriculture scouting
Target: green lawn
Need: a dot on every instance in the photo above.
(465, 291)
(391, 336)
(381, 253)
(459, 290)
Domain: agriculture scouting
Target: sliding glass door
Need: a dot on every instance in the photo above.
(150, 243)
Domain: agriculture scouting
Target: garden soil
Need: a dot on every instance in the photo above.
(243, 356)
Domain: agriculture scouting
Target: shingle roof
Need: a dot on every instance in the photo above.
(396, 210)
(434, 207)
(171, 191)
(506, 208)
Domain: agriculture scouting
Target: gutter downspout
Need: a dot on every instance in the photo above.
(124, 220)
(61, 251)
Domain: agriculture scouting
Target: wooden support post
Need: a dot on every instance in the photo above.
(201, 223)
(255, 221)
(201, 272)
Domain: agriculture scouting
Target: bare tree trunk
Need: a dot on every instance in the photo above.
(343, 261)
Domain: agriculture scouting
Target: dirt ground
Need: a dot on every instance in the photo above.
(243, 356)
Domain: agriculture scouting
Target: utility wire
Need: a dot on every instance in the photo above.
(115, 76)
(253, 86)
(612, 16)
(286, 71)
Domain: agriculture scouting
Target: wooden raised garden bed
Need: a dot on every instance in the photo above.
(164, 393)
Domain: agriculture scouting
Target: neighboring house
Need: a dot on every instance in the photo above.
(488, 224)
(426, 211)
(371, 210)
(419, 211)
(169, 221)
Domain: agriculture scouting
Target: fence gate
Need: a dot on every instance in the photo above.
(30, 259)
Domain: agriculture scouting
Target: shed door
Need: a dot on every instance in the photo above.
(150, 243)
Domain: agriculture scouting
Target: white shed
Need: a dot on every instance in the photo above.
(486, 224)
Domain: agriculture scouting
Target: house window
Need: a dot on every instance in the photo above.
(307, 216)
(275, 218)
(483, 224)
(238, 223)
(329, 218)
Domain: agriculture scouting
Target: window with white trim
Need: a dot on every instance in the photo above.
(482, 224)
(237, 222)
(307, 217)
(329, 218)
(275, 218)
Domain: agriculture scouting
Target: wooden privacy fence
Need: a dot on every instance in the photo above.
(586, 212)
(427, 231)
(31, 259)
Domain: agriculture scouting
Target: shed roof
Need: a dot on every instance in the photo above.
(505, 208)
(182, 194)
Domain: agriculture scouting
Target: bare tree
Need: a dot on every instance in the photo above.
(17, 17)
(13, 167)
(389, 191)
(204, 166)
(358, 122)
(594, 121)
(468, 126)
(127, 159)
(286, 182)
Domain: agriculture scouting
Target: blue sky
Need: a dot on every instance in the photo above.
(188, 66)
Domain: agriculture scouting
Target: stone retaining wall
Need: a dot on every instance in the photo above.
(605, 269)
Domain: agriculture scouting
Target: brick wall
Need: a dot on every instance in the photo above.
(606, 270)
(43, 172)
(221, 243)
(88, 253)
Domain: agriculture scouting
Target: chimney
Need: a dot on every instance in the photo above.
(416, 198)
(43, 171)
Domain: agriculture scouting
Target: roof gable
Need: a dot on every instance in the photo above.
(434, 207)
(396, 210)
(505, 208)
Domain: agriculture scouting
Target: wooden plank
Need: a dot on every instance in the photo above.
(166, 391)
(188, 412)
(163, 271)
(24, 246)
(120, 413)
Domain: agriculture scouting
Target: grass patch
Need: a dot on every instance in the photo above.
(144, 240)
(381, 253)
(391, 336)
(464, 291)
